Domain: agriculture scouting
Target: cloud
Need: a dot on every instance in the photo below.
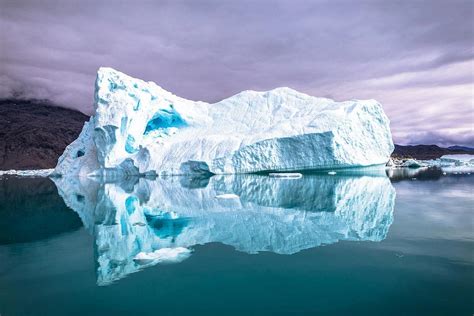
(444, 138)
(415, 57)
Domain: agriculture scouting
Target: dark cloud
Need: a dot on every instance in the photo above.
(416, 57)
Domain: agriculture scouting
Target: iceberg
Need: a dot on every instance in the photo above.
(38, 173)
(458, 159)
(448, 164)
(141, 129)
(139, 222)
(456, 163)
(413, 163)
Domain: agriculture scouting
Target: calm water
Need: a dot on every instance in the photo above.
(351, 244)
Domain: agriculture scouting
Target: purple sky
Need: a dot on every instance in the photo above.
(415, 57)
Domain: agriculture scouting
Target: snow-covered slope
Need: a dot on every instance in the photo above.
(139, 127)
(141, 222)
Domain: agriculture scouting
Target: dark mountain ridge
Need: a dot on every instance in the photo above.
(426, 152)
(463, 148)
(34, 133)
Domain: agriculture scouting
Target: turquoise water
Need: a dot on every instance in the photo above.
(351, 244)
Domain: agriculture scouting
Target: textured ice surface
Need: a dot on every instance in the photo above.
(131, 221)
(139, 127)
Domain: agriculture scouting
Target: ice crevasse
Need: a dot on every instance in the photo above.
(140, 128)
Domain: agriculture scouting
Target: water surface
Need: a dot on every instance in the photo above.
(345, 244)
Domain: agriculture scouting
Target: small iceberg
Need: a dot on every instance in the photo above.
(458, 160)
(462, 163)
(27, 173)
(412, 163)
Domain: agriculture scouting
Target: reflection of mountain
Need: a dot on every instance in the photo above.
(249, 212)
(31, 210)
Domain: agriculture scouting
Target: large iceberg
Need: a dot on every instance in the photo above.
(140, 128)
(138, 223)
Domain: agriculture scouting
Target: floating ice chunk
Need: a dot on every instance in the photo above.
(27, 173)
(139, 127)
(462, 163)
(293, 175)
(412, 163)
(461, 159)
(164, 255)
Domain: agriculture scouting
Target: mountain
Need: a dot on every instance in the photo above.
(463, 148)
(425, 152)
(34, 133)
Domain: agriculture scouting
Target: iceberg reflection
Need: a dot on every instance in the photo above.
(143, 222)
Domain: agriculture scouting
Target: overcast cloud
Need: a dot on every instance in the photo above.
(415, 57)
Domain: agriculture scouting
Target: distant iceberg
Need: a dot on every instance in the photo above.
(138, 223)
(139, 128)
(457, 163)
(27, 173)
(412, 163)
(458, 159)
